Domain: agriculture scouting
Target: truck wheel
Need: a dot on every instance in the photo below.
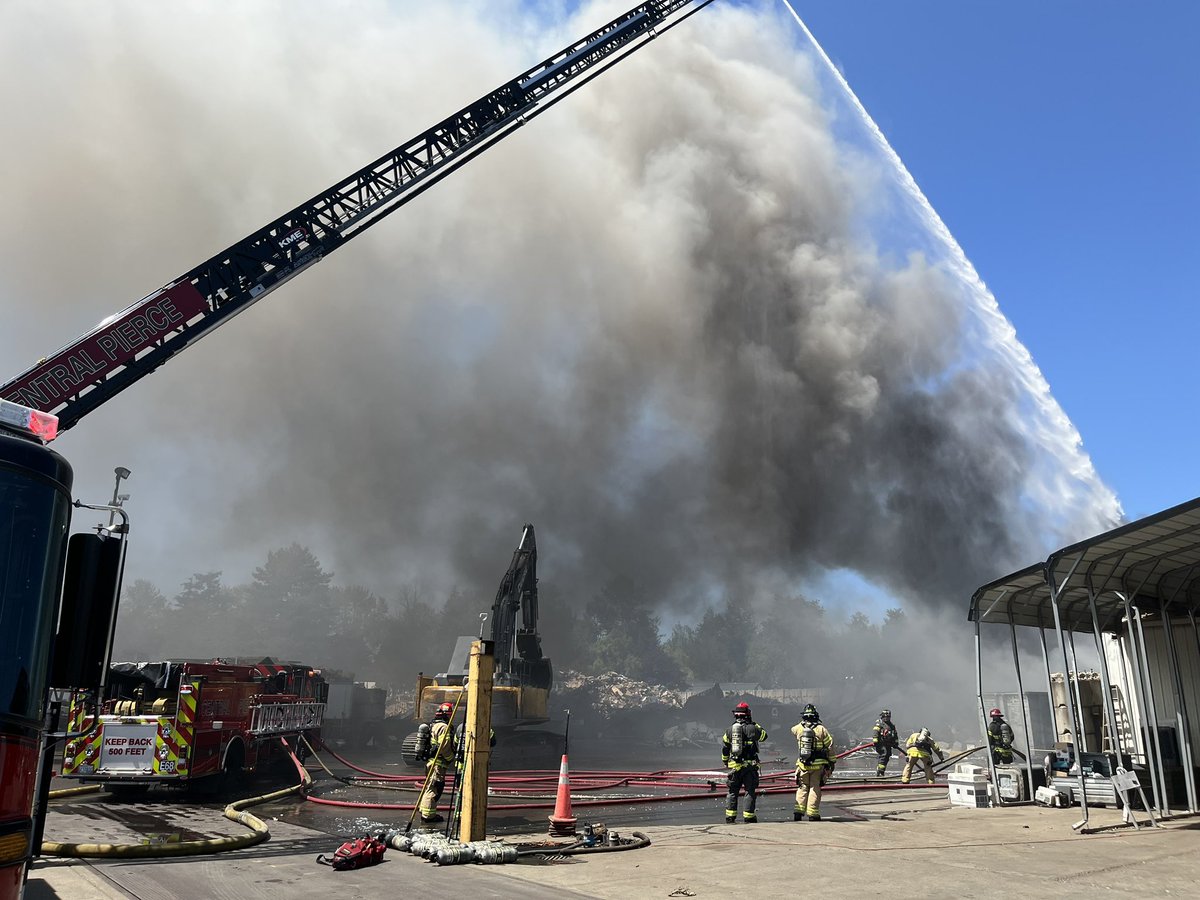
(234, 773)
(228, 779)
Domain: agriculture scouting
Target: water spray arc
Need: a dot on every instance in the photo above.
(1051, 428)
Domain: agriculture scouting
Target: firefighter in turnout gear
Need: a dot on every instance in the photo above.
(920, 747)
(739, 753)
(814, 763)
(441, 753)
(885, 739)
(1000, 739)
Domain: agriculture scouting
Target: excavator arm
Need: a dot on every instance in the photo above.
(518, 650)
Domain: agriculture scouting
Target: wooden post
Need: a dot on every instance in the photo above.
(477, 734)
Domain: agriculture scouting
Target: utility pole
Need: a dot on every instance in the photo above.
(477, 734)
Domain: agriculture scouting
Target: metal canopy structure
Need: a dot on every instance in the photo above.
(1112, 585)
(1152, 556)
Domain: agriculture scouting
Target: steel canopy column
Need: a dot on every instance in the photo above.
(1055, 595)
(1105, 683)
(1181, 716)
(982, 706)
(1145, 736)
(1144, 660)
(1049, 683)
(1012, 630)
(1083, 741)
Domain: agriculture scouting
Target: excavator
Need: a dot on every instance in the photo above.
(523, 676)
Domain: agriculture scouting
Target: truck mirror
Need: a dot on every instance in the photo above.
(91, 586)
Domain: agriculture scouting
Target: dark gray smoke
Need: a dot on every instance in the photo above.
(655, 323)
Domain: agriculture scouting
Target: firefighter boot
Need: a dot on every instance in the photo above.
(797, 816)
(749, 818)
(730, 816)
(814, 817)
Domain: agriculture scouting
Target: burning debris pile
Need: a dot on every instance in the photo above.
(611, 703)
(613, 693)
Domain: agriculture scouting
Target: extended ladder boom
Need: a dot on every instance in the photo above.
(136, 341)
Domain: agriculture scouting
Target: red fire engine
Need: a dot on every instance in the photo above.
(178, 722)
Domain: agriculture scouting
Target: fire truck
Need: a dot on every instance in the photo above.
(180, 723)
(58, 599)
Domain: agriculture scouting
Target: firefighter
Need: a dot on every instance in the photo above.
(920, 748)
(814, 764)
(739, 753)
(441, 753)
(1000, 739)
(886, 738)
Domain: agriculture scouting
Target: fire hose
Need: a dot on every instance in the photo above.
(593, 780)
(235, 812)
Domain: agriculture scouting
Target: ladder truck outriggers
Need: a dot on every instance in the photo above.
(58, 592)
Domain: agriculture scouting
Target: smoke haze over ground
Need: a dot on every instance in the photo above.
(683, 323)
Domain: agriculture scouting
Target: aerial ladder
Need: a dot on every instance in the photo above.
(133, 343)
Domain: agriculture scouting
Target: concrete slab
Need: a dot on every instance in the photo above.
(916, 842)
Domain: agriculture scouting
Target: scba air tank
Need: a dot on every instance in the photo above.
(737, 741)
(423, 740)
(808, 742)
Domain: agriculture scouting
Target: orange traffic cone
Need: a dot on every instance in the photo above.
(562, 823)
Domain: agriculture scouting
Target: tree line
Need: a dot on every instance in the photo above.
(292, 609)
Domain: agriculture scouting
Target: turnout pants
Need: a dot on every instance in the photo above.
(808, 791)
(915, 762)
(884, 753)
(738, 779)
(427, 805)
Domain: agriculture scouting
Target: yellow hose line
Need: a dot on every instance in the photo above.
(234, 812)
(75, 791)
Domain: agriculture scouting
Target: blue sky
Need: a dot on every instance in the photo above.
(1059, 142)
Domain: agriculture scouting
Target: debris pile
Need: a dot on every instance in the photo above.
(611, 693)
(399, 705)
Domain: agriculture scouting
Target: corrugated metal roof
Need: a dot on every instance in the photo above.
(1156, 558)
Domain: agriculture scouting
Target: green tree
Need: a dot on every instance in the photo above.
(411, 641)
(626, 635)
(204, 618)
(141, 622)
(359, 618)
(290, 600)
(793, 645)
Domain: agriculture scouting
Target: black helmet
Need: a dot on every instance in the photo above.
(810, 712)
(885, 714)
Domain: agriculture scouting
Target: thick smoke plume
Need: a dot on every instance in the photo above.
(656, 322)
